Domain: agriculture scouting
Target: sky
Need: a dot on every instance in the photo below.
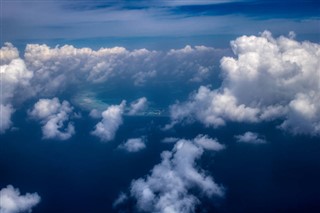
(159, 106)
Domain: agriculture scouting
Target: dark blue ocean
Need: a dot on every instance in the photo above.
(83, 175)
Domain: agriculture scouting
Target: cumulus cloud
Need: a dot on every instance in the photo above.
(250, 137)
(213, 108)
(7, 53)
(13, 202)
(134, 145)
(111, 120)
(58, 67)
(15, 83)
(172, 185)
(270, 78)
(54, 117)
(47, 72)
(138, 106)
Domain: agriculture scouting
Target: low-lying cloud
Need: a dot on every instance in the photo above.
(13, 202)
(134, 145)
(250, 137)
(111, 120)
(54, 117)
(171, 185)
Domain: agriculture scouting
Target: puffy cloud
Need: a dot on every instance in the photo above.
(49, 71)
(14, 77)
(15, 83)
(208, 143)
(7, 53)
(111, 120)
(133, 145)
(54, 116)
(172, 184)
(5, 117)
(138, 106)
(57, 67)
(250, 137)
(213, 108)
(13, 202)
(270, 78)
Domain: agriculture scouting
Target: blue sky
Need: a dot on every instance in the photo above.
(78, 19)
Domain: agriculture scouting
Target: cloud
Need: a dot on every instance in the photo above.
(250, 137)
(5, 118)
(207, 143)
(54, 117)
(138, 106)
(13, 202)
(87, 19)
(213, 108)
(7, 53)
(121, 199)
(172, 185)
(15, 83)
(48, 72)
(59, 67)
(270, 78)
(133, 145)
(111, 120)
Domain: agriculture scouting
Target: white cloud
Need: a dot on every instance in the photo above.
(58, 67)
(111, 120)
(54, 117)
(250, 137)
(15, 83)
(13, 202)
(5, 118)
(7, 53)
(270, 78)
(47, 72)
(14, 77)
(171, 185)
(138, 106)
(208, 143)
(133, 145)
(213, 108)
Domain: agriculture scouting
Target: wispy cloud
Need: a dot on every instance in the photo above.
(84, 19)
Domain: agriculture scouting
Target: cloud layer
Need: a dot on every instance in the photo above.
(270, 78)
(171, 185)
(13, 202)
(67, 64)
